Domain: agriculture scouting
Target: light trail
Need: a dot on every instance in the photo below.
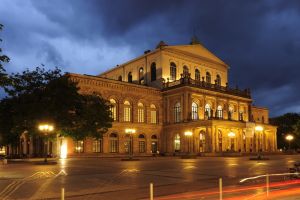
(264, 175)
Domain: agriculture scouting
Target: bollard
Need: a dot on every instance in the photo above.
(267, 184)
(151, 191)
(62, 193)
(220, 188)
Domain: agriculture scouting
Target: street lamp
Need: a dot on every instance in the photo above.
(231, 135)
(46, 129)
(130, 132)
(289, 138)
(188, 134)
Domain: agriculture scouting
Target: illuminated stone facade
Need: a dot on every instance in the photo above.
(170, 91)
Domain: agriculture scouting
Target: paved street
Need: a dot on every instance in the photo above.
(111, 178)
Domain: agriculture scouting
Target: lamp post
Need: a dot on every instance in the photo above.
(289, 138)
(46, 129)
(188, 134)
(130, 132)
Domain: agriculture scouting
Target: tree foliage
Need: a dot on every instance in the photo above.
(42, 96)
(288, 123)
(3, 59)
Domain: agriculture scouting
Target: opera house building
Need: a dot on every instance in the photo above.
(172, 100)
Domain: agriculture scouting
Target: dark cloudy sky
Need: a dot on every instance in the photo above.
(260, 40)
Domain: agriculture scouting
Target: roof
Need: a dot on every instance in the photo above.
(195, 50)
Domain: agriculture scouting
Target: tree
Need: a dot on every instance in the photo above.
(287, 124)
(40, 96)
(3, 59)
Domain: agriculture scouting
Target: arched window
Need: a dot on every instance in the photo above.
(177, 143)
(207, 111)
(230, 112)
(194, 111)
(141, 116)
(220, 141)
(220, 112)
(241, 114)
(208, 77)
(218, 80)
(129, 77)
(142, 143)
(113, 143)
(153, 71)
(120, 78)
(141, 76)
(197, 75)
(154, 145)
(177, 112)
(185, 70)
(113, 109)
(127, 111)
(153, 114)
(202, 141)
(173, 71)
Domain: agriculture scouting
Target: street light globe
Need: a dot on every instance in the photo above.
(188, 133)
(231, 134)
(289, 137)
(259, 128)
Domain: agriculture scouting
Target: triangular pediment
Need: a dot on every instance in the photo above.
(197, 50)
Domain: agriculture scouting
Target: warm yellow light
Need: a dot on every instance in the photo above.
(63, 149)
(289, 137)
(129, 130)
(46, 127)
(259, 128)
(188, 133)
(231, 134)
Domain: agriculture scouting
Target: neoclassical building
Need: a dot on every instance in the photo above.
(173, 100)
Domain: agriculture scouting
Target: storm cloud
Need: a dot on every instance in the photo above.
(259, 40)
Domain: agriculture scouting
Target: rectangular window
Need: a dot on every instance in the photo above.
(142, 146)
(97, 146)
(79, 146)
(127, 114)
(153, 119)
(113, 110)
(141, 118)
(154, 147)
(113, 147)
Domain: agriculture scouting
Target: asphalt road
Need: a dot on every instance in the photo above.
(111, 178)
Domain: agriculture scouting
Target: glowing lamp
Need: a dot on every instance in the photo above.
(289, 137)
(259, 128)
(231, 134)
(188, 133)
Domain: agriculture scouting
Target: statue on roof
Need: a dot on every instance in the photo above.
(161, 44)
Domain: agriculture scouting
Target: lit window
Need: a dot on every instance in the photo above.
(219, 112)
(207, 111)
(97, 146)
(79, 146)
(127, 111)
(173, 71)
(194, 111)
(177, 142)
(197, 75)
(113, 109)
(113, 143)
(177, 112)
(141, 118)
(153, 113)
